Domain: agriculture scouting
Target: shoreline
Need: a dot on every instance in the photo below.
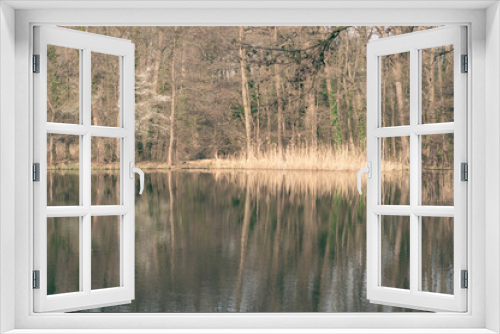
(201, 168)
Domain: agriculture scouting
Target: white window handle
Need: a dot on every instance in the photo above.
(368, 171)
(133, 170)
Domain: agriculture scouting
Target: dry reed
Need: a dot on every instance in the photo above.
(323, 158)
(295, 158)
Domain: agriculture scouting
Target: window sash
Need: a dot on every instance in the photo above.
(86, 298)
(413, 43)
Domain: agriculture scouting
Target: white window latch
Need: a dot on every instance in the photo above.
(133, 170)
(368, 171)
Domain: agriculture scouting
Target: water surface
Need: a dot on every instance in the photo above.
(249, 241)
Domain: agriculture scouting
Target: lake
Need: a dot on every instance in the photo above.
(249, 241)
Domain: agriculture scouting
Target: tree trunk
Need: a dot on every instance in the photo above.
(172, 103)
(312, 113)
(398, 85)
(181, 103)
(245, 98)
(348, 99)
(344, 133)
(335, 135)
(431, 111)
(158, 56)
(268, 115)
(50, 157)
(257, 130)
(279, 97)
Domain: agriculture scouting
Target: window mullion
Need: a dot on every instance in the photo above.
(81, 177)
(414, 171)
(86, 169)
(85, 265)
(421, 129)
(393, 131)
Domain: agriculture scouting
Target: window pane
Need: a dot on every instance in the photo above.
(105, 90)
(437, 254)
(395, 89)
(105, 252)
(63, 170)
(437, 84)
(437, 169)
(395, 168)
(63, 85)
(395, 233)
(63, 255)
(105, 171)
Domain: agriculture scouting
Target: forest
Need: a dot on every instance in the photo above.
(250, 97)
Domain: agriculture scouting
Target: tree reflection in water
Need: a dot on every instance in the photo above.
(257, 241)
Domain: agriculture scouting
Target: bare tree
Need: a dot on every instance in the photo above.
(172, 102)
(157, 61)
(279, 97)
(245, 98)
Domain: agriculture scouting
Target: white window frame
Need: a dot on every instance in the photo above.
(414, 43)
(86, 44)
(483, 102)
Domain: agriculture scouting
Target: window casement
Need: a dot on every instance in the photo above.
(414, 46)
(86, 295)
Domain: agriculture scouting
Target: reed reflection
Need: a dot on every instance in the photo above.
(255, 241)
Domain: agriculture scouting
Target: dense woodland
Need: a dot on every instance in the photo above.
(270, 97)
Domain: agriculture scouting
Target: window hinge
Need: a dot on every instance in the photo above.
(465, 279)
(465, 64)
(464, 171)
(36, 63)
(36, 279)
(36, 172)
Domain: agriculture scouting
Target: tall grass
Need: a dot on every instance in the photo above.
(295, 158)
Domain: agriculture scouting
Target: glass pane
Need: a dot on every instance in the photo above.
(437, 84)
(395, 89)
(63, 170)
(63, 255)
(105, 252)
(105, 90)
(395, 168)
(63, 85)
(105, 171)
(437, 254)
(395, 251)
(437, 169)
